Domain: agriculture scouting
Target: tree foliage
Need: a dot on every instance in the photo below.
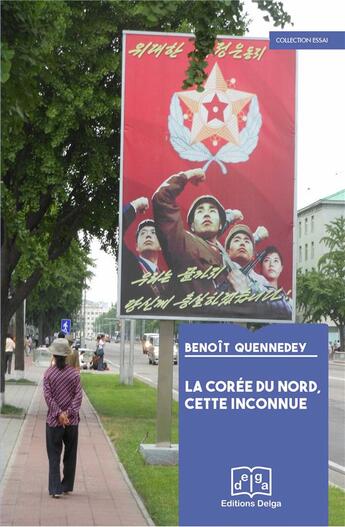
(59, 293)
(61, 117)
(61, 110)
(321, 292)
(107, 322)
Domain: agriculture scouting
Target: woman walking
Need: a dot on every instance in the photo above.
(63, 395)
(9, 349)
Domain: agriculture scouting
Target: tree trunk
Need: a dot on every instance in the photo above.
(40, 331)
(20, 336)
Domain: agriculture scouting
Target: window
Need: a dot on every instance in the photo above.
(306, 226)
(306, 251)
(312, 224)
(300, 254)
(312, 250)
(299, 228)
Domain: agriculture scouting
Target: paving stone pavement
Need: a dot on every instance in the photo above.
(102, 494)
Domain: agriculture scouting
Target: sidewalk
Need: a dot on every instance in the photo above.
(102, 494)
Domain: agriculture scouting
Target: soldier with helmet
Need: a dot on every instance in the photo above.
(147, 248)
(199, 246)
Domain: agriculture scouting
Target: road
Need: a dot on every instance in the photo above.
(337, 413)
(142, 368)
(149, 373)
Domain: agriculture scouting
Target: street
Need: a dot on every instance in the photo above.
(337, 413)
(149, 373)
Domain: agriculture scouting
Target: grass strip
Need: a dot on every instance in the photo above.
(128, 414)
(336, 505)
(27, 382)
(9, 410)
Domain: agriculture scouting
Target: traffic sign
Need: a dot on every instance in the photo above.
(66, 325)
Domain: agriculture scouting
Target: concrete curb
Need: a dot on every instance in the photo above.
(134, 493)
(146, 381)
(17, 442)
(336, 475)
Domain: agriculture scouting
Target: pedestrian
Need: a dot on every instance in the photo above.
(46, 341)
(9, 349)
(27, 346)
(100, 353)
(63, 395)
(330, 350)
(73, 357)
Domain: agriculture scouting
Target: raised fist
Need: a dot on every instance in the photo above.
(237, 215)
(260, 234)
(140, 204)
(195, 176)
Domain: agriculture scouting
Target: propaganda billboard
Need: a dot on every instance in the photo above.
(207, 181)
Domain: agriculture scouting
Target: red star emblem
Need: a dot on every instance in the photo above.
(215, 109)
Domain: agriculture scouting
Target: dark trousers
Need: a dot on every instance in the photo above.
(56, 437)
(8, 361)
(100, 365)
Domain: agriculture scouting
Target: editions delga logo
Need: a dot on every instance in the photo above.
(251, 481)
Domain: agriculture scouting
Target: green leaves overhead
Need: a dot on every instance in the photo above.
(61, 113)
(59, 291)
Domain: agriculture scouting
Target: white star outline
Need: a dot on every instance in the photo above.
(240, 144)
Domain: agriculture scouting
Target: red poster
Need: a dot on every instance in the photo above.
(207, 182)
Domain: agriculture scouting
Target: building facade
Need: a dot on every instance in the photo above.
(92, 310)
(311, 227)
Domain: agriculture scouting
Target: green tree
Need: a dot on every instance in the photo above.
(59, 292)
(151, 326)
(61, 102)
(321, 292)
(107, 322)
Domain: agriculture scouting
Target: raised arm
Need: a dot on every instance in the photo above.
(167, 215)
(130, 210)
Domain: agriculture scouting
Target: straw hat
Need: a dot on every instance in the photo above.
(60, 347)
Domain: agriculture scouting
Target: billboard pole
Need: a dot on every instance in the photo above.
(122, 352)
(165, 382)
(131, 353)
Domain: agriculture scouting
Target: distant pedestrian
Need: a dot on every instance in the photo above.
(63, 395)
(9, 349)
(27, 346)
(46, 341)
(100, 353)
(330, 350)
